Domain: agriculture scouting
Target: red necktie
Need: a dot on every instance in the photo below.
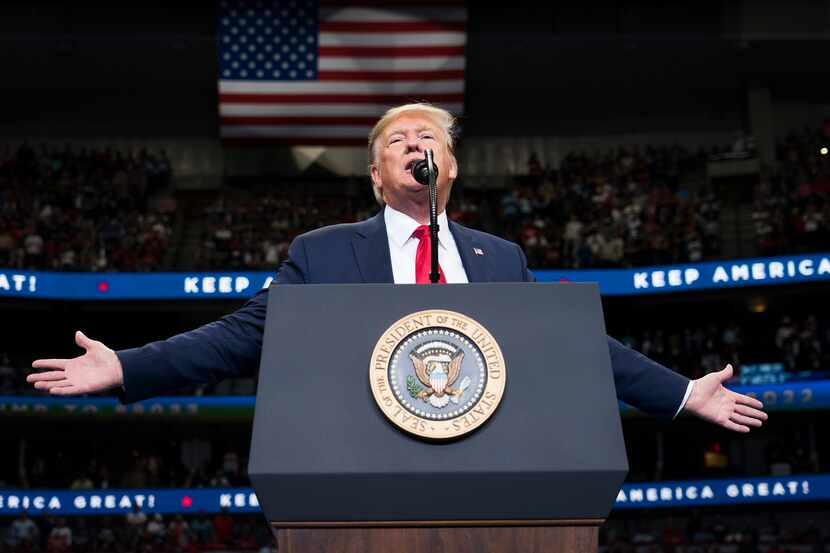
(423, 257)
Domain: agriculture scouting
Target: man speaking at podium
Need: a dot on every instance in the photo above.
(392, 246)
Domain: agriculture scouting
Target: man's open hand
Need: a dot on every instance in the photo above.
(96, 370)
(711, 401)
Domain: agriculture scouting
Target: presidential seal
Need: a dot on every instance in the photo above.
(437, 374)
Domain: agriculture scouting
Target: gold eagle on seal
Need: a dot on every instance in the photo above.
(438, 368)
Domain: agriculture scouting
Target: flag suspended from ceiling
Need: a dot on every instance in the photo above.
(300, 72)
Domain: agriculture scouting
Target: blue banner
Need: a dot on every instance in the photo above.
(612, 282)
(736, 273)
(122, 501)
(731, 491)
(794, 396)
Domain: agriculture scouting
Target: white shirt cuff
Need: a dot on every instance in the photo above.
(685, 397)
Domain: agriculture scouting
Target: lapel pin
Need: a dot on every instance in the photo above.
(478, 251)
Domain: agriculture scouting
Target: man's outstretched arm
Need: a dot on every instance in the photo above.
(224, 348)
(228, 347)
(658, 390)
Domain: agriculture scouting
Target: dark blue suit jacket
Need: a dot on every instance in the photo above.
(355, 253)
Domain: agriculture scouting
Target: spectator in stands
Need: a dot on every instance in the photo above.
(136, 521)
(222, 527)
(106, 539)
(60, 538)
(156, 531)
(23, 534)
(202, 529)
(178, 533)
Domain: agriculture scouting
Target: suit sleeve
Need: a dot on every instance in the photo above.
(228, 347)
(640, 382)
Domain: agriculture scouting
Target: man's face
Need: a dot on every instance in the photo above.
(401, 144)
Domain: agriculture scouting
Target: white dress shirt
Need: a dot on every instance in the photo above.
(403, 247)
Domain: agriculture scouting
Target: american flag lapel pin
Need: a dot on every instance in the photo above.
(478, 251)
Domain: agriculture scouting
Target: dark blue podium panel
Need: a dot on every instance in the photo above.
(323, 451)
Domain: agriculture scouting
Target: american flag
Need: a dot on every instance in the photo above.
(299, 72)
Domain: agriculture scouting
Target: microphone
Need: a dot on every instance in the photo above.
(426, 172)
(420, 171)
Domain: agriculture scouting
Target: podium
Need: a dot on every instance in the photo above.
(333, 471)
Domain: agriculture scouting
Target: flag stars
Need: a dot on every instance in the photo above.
(274, 40)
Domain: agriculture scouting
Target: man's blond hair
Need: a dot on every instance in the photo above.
(443, 119)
